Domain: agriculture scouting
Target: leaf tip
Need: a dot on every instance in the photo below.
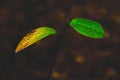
(17, 50)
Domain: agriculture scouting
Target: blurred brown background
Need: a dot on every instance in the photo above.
(79, 58)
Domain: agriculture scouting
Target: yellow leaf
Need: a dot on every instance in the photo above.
(34, 36)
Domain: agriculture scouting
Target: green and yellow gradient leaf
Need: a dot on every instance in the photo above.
(88, 28)
(34, 36)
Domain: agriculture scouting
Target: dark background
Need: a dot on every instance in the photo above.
(80, 58)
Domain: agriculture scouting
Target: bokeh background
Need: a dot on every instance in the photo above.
(79, 58)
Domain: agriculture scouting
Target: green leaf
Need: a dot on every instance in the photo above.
(34, 36)
(88, 28)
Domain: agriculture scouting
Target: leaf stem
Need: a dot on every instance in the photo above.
(55, 53)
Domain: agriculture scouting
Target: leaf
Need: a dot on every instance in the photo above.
(88, 28)
(34, 36)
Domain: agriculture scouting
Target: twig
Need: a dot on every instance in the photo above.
(55, 53)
